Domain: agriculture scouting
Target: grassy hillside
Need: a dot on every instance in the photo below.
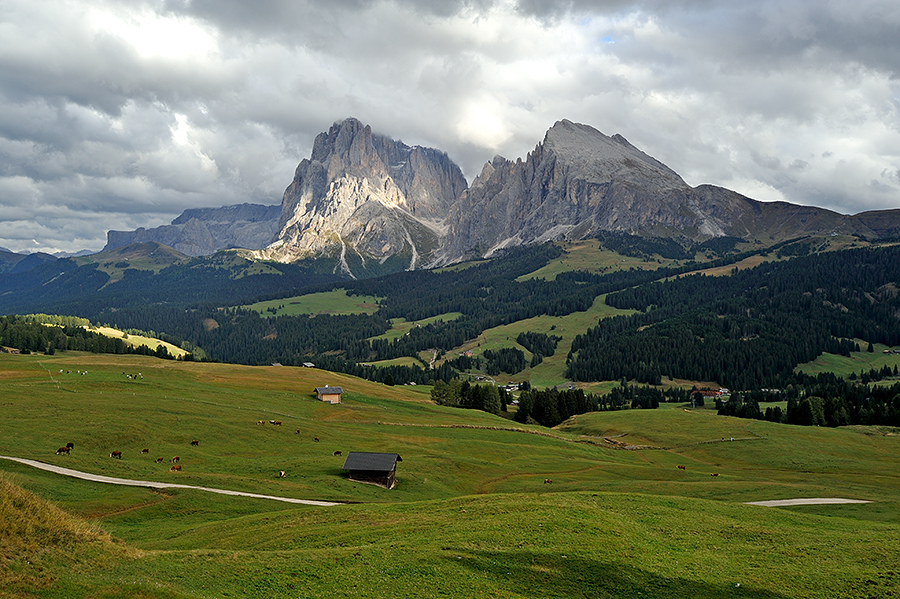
(327, 302)
(471, 515)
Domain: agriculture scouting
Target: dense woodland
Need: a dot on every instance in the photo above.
(29, 335)
(747, 330)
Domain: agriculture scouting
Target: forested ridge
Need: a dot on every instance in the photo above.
(750, 329)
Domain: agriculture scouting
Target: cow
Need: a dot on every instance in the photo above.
(160, 460)
(336, 453)
(175, 459)
(276, 422)
(261, 422)
(315, 439)
(281, 474)
(548, 481)
(714, 474)
(70, 445)
(145, 450)
(271, 422)
(116, 454)
(680, 467)
(62, 450)
(195, 442)
(175, 468)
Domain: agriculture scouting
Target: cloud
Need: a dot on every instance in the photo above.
(122, 114)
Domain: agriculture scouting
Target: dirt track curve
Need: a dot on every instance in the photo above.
(99, 478)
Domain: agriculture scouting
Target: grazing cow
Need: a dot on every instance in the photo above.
(175, 459)
(548, 481)
(145, 450)
(159, 460)
(195, 442)
(70, 445)
(277, 422)
(64, 450)
(116, 454)
(714, 474)
(271, 422)
(316, 439)
(338, 452)
(263, 422)
(680, 467)
(175, 468)
(281, 474)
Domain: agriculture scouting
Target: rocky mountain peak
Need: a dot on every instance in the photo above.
(366, 199)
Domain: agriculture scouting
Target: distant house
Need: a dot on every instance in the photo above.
(373, 468)
(329, 394)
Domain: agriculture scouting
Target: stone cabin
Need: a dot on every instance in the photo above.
(329, 394)
(373, 468)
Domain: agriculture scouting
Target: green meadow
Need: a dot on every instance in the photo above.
(471, 516)
(327, 302)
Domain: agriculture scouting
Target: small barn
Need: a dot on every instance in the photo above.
(373, 468)
(329, 394)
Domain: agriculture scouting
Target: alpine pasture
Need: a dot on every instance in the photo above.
(483, 507)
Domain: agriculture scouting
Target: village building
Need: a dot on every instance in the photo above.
(329, 394)
(373, 468)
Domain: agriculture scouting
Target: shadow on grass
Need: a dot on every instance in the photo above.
(532, 574)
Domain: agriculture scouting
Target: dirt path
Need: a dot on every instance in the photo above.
(810, 501)
(99, 478)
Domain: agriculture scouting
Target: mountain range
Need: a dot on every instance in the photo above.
(370, 204)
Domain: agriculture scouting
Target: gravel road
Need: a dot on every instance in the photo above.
(99, 478)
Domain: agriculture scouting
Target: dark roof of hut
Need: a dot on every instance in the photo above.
(377, 462)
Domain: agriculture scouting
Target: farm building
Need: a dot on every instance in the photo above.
(374, 468)
(329, 394)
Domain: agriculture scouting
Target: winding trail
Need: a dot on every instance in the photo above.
(99, 478)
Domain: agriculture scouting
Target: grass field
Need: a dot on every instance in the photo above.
(589, 256)
(857, 362)
(139, 340)
(551, 371)
(328, 302)
(471, 515)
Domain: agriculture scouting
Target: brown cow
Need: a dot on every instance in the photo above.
(316, 439)
(195, 442)
(175, 468)
(277, 422)
(281, 474)
(680, 467)
(116, 454)
(714, 474)
(159, 460)
(145, 450)
(61, 450)
(338, 452)
(175, 459)
(548, 481)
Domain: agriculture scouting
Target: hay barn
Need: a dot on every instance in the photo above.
(329, 394)
(373, 468)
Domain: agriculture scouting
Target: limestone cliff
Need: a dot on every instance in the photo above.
(366, 200)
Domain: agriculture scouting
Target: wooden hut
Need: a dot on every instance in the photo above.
(329, 394)
(373, 468)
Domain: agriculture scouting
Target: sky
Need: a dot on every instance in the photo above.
(122, 114)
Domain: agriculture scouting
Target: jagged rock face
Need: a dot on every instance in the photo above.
(204, 231)
(578, 182)
(575, 183)
(365, 199)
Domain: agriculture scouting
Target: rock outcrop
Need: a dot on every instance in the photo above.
(204, 231)
(372, 203)
(579, 182)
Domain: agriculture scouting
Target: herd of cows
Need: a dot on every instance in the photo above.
(176, 467)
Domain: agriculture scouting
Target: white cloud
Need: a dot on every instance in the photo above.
(115, 115)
